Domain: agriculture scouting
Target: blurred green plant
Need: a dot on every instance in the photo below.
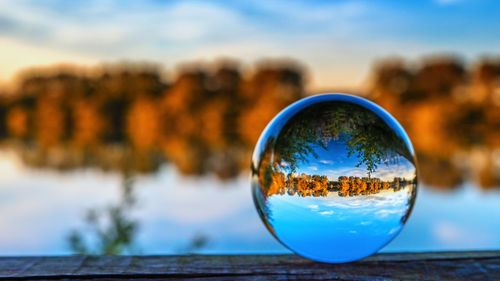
(112, 229)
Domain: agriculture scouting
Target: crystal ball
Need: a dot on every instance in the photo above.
(334, 177)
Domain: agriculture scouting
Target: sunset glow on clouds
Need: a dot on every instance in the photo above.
(338, 41)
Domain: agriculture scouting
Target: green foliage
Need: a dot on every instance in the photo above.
(365, 134)
(113, 238)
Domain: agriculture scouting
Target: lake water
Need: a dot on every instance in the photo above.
(40, 210)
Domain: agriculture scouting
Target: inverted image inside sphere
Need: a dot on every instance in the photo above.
(334, 178)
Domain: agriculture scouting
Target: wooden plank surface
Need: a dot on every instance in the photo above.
(398, 266)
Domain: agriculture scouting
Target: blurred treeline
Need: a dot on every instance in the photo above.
(207, 119)
(451, 113)
(132, 119)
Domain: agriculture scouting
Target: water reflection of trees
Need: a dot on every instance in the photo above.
(207, 119)
(305, 185)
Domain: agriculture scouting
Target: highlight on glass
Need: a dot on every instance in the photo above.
(334, 177)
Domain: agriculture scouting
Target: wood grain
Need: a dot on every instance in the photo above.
(481, 265)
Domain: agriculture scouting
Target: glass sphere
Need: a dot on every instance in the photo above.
(334, 177)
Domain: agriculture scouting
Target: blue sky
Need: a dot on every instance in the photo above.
(334, 163)
(337, 41)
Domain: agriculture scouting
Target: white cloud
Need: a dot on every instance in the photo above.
(313, 207)
(388, 212)
(176, 31)
(336, 40)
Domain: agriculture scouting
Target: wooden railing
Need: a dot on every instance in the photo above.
(480, 265)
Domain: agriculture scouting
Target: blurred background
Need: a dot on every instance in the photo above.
(126, 127)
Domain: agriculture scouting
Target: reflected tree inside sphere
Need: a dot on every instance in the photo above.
(334, 177)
